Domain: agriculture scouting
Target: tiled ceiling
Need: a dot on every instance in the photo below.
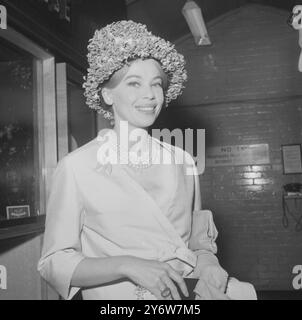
(164, 17)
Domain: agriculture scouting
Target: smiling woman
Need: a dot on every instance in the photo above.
(138, 96)
(126, 232)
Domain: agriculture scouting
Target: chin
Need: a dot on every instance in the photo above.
(145, 122)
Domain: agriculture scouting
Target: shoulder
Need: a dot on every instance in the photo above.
(82, 156)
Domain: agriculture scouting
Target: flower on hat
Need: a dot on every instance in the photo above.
(117, 43)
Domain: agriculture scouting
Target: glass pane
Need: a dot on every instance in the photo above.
(18, 154)
(81, 119)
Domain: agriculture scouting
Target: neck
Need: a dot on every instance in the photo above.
(126, 133)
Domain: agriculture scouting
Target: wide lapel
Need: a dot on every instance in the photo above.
(181, 251)
(142, 195)
(141, 198)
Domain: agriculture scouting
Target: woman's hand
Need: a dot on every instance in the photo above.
(154, 276)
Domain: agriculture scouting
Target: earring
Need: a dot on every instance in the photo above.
(112, 122)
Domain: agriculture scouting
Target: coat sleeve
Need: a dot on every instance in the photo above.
(203, 232)
(61, 251)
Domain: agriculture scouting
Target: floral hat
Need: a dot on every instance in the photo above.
(117, 43)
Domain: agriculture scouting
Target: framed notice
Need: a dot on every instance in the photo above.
(292, 159)
(237, 155)
(17, 212)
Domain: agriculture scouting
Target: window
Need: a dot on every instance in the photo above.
(28, 148)
(76, 122)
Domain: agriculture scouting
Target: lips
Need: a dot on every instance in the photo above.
(146, 108)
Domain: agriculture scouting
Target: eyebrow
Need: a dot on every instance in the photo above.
(139, 77)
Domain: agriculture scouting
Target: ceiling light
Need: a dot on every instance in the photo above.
(194, 18)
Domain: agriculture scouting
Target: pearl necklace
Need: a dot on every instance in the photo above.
(131, 159)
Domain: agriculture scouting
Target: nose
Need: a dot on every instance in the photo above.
(148, 92)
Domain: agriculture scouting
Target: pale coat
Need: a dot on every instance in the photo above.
(94, 211)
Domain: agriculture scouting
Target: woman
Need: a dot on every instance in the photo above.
(121, 223)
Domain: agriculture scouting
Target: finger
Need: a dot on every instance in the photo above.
(174, 292)
(157, 294)
(179, 280)
(162, 286)
(158, 288)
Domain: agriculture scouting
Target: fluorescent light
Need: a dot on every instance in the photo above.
(194, 18)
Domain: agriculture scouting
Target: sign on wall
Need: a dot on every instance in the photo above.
(253, 154)
(292, 158)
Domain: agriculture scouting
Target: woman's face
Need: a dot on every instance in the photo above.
(138, 95)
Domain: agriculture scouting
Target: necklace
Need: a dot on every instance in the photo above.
(142, 155)
(132, 158)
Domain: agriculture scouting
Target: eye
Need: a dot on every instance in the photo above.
(134, 84)
(157, 84)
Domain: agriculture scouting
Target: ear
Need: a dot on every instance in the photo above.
(107, 96)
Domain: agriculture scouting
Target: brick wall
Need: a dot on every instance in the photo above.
(245, 89)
